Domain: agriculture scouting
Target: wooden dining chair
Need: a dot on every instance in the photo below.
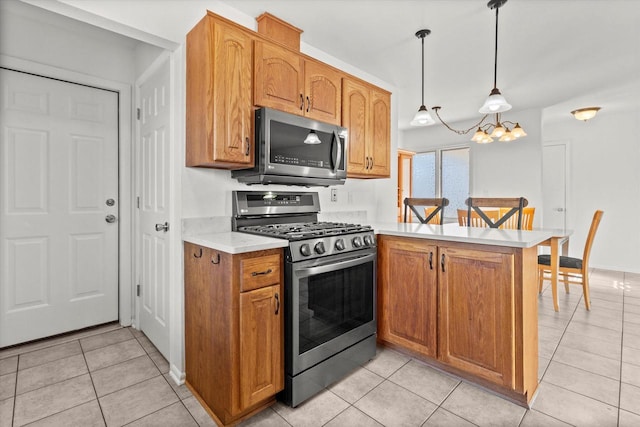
(482, 205)
(433, 209)
(512, 221)
(476, 220)
(573, 270)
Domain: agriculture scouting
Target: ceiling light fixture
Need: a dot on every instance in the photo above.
(585, 113)
(422, 117)
(495, 104)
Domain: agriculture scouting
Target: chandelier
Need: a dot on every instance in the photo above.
(495, 104)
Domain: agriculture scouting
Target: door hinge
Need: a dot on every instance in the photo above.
(138, 113)
(138, 290)
(138, 202)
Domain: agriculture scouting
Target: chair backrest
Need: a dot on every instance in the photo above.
(437, 219)
(515, 205)
(595, 222)
(512, 221)
(438, 205)
(476, 220)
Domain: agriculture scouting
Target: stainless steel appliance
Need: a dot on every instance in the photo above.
(330, 287)
(295, 150)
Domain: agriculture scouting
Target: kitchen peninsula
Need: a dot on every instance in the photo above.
(463, 300)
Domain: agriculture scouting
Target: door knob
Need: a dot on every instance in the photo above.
(110, 218)
(162, 227)
(110, 202)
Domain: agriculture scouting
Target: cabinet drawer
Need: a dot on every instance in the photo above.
(259, 272)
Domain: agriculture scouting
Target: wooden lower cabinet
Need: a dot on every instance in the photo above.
(469, 309)
(408, 294)
(233, 330)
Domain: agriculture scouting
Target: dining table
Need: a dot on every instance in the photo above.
(559, 244)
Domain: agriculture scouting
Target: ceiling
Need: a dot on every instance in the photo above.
(563, 53)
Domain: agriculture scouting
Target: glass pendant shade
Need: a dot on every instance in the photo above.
(477, 137)
(312, 138)
(507, 137)
(518, 132)
(495, 103)
(498, 131)
(422, 117)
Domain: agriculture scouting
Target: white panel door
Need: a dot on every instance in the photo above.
(59, 167)
(554, 185)
(153, 240)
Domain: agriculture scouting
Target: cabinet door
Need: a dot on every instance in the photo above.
(379, 144)
(278, 78)
(408, 294)
(218, 98)
(232, 107)
(323, 92)
(355, 105)
(476, 317)
(261, 365)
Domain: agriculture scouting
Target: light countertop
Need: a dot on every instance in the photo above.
(235, 243)
(455, 233)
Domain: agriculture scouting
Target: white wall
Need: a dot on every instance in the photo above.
(499, 169)
(604, 174)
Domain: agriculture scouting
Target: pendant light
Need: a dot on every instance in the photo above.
(495, 103)
(503, 130)
(422, 117)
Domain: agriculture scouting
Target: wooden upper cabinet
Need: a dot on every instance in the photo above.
(366, 114)
(477, 313)
(286, 81)
(408, 294)
(323, 91)
(278, 78)
(219, 124)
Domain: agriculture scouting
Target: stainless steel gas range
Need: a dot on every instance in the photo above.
(330, 287)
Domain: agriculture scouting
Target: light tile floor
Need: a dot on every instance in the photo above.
(589, 370)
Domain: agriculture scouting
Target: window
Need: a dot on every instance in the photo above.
(443, 173)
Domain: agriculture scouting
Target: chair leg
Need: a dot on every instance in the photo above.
(540, 279)
(585, 290)
(565, 278)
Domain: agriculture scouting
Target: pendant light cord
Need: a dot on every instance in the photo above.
(495, 57)
(422, 69)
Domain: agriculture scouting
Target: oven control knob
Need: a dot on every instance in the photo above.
(340, 245)
(368, 240)
(357, 241)
(319, 248)
(305, 250)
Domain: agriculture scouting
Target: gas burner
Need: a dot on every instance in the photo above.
(307, 230)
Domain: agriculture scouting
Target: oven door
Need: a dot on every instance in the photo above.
(331, 305)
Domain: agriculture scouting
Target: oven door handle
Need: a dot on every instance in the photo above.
(333, 266)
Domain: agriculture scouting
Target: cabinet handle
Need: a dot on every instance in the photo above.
(261, 273)
(370, 162)
(442, 262)
(366, 162)
(277, 303)
(430, 260)
(248, 146)
(216, 260)
(301, 102)
(308, 104)
(200, 255)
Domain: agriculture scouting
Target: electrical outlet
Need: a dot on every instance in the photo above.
(334, 194)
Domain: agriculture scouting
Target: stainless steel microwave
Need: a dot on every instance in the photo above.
(295, 150)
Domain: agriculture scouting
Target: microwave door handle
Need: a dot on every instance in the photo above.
(338, 156)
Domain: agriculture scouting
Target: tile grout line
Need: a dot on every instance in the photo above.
(92, 384)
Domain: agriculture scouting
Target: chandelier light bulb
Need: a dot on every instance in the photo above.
(518, 132)
(498, 131)
(507, 137)
(477, 137)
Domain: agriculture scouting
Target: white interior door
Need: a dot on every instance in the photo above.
(554, 185)
(58, 184)
(154, 190)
